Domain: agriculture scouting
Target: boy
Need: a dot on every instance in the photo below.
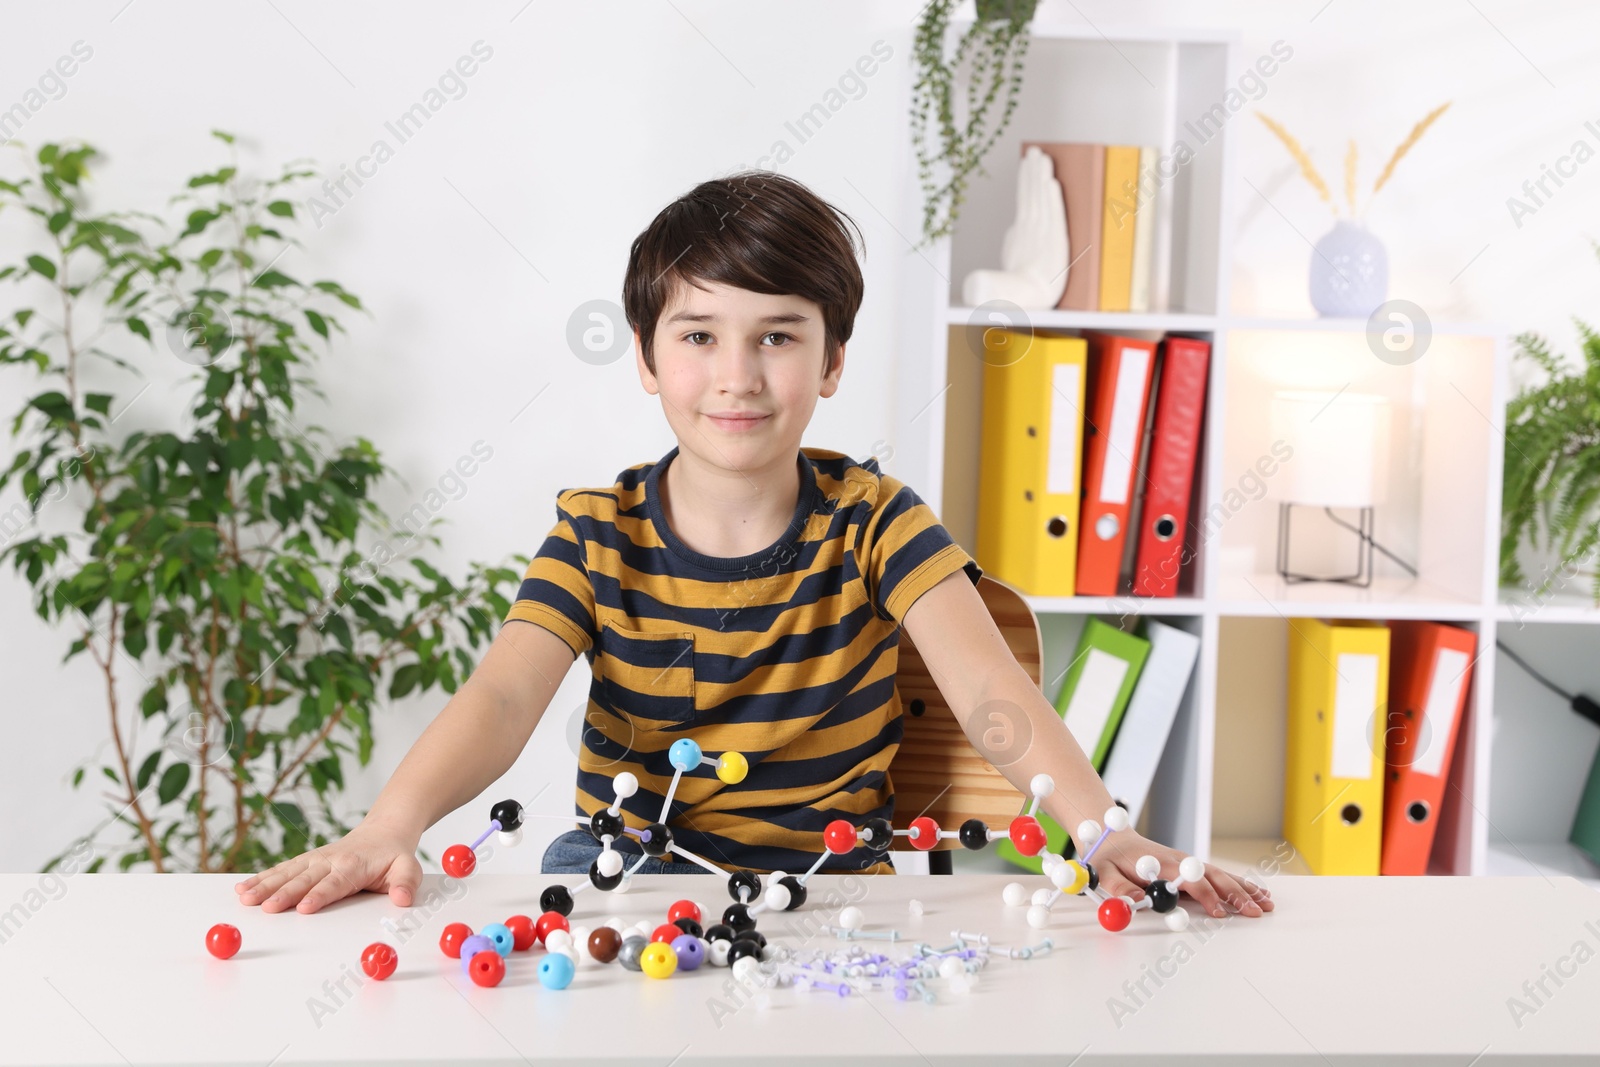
(740, 591)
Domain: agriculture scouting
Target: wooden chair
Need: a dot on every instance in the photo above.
(937, 772)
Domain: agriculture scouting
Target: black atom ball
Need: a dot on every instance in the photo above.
(797, 892)
(603, 822)
(746, 880)
(1163, 898)
(556, 898)
(974, 835)
(738, 917)
(508, 813)
(751, 935)
(879, 834)
(689, 926)
(1094, 876)
(742, 948)
(600, 881)
(660, 839)
(720, 932)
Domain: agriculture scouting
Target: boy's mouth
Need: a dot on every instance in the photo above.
(737, 421)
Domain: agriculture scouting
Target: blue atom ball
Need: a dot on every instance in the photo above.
(555, 971)
(684, 754)
(500, 934)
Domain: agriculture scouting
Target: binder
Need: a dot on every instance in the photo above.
(1144, 236)
(1105, 668)
(1429, 673)
(1118, 388)
(1117, 227)
(1030, 443)
(1147, 723)
(1174, 448)
(1333, 782)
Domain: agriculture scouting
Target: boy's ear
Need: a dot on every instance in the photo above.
(646, 378)
(830, 380)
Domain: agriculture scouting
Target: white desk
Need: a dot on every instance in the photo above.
(112, 969)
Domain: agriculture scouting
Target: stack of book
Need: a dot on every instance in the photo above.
(1116, 242)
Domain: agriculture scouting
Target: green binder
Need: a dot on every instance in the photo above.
(1104, 671)
(1586, 824)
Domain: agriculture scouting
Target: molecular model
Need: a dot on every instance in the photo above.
(1070, 877)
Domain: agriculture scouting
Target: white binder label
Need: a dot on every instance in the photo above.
(1061, 464)
(1090, 707)
(1444, 692)
(1122, 444)
(1355, 698)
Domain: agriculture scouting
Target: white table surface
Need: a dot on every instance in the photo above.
(112, 969)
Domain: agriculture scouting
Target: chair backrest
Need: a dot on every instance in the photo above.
(936, 771)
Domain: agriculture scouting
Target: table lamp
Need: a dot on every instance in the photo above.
(1340, 445)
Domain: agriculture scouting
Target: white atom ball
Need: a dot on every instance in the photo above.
(1042, 785)
(510, 838)
(1088, 831)
(610, 863)
(1013, 894)
(1177, 920)
(1061, 876)
(1038, 916)
(949, 967)
(557, 939)
(778, 896)
(580, 940)
(1117, 819)
(1192, 869)
(719, 953)
(851, 918)
(1041, 897)
(626, 785)
(1148, 868)
(746, 970)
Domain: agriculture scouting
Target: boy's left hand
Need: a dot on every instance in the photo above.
(1115, 863)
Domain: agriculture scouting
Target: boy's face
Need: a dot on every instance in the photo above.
(739, 373)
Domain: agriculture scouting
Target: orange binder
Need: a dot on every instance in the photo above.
(1119, 387)
(1174, 447)
(1430, 669)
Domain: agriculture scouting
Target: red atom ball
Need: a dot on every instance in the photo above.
(840, 837)
(927, 833)
(552, 920)
(523, 934)
(487, 968)
(379, 960)
(667, 932)
(224, 939)
(459, 861)
(1027, 835)
(450, 940)
(1115, 914)
(683, 909)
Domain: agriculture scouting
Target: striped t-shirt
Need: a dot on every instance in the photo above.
(786, 655)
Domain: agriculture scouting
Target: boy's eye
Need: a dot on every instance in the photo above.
(701, 333)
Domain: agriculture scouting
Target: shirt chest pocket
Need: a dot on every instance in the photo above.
(648, 677)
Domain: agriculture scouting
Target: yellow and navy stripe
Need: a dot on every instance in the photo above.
(786, 655)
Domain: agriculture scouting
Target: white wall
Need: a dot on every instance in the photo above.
(517, 202)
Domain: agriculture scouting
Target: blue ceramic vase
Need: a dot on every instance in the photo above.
(1349, 272)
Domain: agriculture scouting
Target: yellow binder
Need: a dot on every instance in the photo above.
(1117, 227)
(1030, 459)
(1333, 783)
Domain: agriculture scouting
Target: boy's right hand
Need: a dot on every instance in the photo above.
(373, 857)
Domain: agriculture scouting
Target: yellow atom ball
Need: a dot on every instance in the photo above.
(658, 960)
(732, 767)
(1080, 878)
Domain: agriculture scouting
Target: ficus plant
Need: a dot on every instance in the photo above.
(232, 567)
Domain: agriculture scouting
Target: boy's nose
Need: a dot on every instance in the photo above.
(739, 371)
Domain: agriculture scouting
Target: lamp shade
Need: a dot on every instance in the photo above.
(1340, 445)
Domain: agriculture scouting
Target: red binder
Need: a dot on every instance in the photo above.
(1174, 446)
(1430, 670)
(1118, 389)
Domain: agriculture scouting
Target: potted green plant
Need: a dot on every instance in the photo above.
(1551, 494)
(225, 566)
(993, 48)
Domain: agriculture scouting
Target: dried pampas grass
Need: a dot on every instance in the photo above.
(1309, 170)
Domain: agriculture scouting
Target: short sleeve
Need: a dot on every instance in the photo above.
(556, 592)
(908, 551)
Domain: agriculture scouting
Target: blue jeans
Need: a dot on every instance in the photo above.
(575, 850)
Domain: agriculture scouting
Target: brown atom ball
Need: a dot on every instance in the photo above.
(604, 944)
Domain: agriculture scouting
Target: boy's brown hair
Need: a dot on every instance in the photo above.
(755, 230)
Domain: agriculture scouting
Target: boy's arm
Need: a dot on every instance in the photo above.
(480, 732)
(972, 666)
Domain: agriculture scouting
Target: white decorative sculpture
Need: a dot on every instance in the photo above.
(1033, 256)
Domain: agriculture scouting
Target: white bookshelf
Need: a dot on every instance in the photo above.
(1220, 786)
